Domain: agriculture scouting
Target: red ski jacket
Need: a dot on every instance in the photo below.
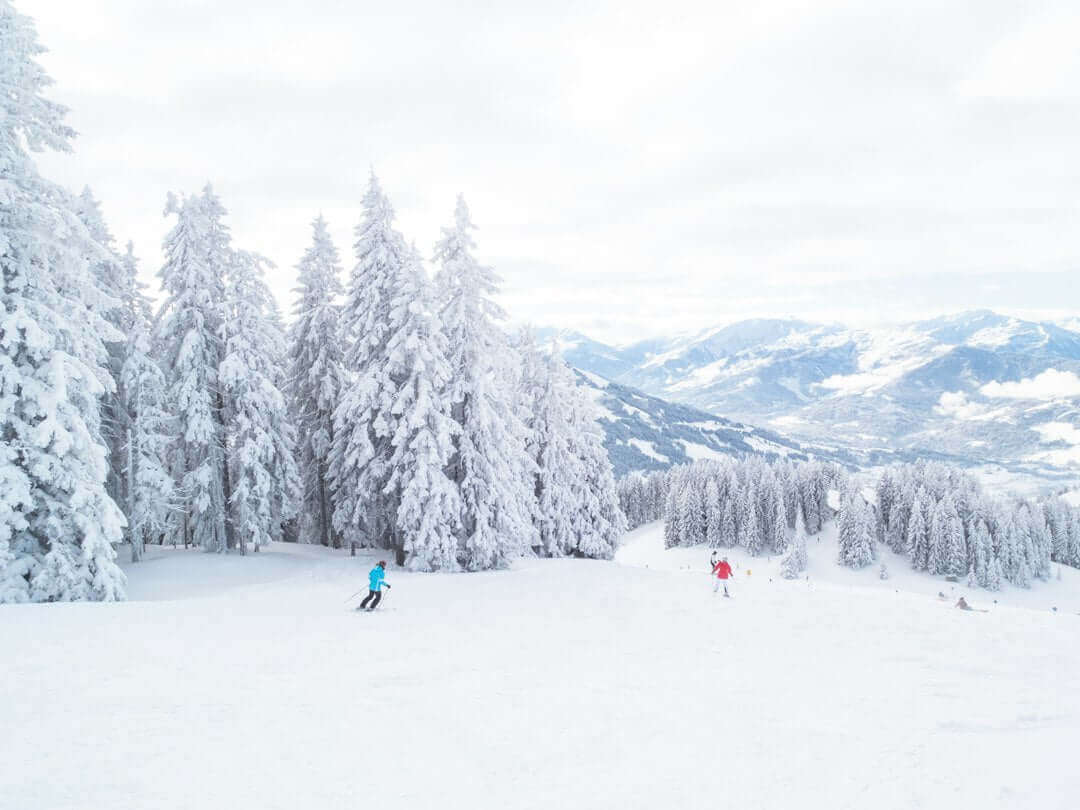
(722, 570)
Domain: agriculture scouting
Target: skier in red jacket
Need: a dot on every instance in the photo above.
(722, 572)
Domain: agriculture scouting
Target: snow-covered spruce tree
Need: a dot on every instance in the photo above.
(411, 380)
(692, 508)
(795, 561)
(714, 515)
(560, 473)
(943, 525)
(490, 453)
(364, 513)
(109, 272)
(601, 522)
(728, 531)
(671, 513)
(57, 521)
(780, 537)
(151, 432)
(855, 530)
(918, 536)
(189, 328)
(899, 515)
(980, 539)
(259, 435)
(316, 379)
(749, 526)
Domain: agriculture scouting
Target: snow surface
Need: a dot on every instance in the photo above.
(648, 449)
(247, 683)
(700, 452)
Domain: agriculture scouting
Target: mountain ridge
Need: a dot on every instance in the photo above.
(978, 387)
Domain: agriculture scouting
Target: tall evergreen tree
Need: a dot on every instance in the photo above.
(855, 530)
(602, 524)
(57, 521)
(490, 453)
(714, 515)
(316, 379)
(151, 432)
(364, 513)
(189, 329)
(559, 471)
(260, 437)
(412, 380)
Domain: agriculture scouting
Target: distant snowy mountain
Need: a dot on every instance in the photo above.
(647, 433)
(977, 387)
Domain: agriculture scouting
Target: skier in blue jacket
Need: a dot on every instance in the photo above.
(376, 579)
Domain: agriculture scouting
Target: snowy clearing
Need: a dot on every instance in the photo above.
(247, 683)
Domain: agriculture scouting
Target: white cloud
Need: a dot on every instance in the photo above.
(1050, 384)
(1059, 432)
(956, 404)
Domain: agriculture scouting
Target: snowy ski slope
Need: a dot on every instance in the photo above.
(247, 683)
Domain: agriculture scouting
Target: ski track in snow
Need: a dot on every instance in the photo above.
(249, 683)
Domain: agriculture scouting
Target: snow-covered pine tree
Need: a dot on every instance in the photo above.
(956, 561)
(364, 513)
(151, 432)
(899, 515)
(811, 491)
(260, 437)
(490, 453)
(794, 562)
(942, 524)
(728, 531)
(693, 511)
(671, 513)
(189, 328)
(714, 515)
(415, 376)
(855, 530)
(560, 472)
(749, 526)
(109, 273)
(57, 521)
(983, 554)
(602, 522)
(780, 528)
(918, 537)
(316, 379)
(994, 577)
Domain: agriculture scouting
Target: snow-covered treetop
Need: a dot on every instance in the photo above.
(465, 283)
(25, 111)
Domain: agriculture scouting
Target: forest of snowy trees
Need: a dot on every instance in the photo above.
(393, 412)
(937, 516)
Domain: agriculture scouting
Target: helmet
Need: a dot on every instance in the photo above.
(382, 563)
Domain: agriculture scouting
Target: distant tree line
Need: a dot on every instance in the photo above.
(936, 516)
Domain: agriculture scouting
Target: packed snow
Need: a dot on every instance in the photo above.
(249, 683)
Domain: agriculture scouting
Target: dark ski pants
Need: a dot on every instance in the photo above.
(376, 594)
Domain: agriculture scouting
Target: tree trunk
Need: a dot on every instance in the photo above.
(133, 532)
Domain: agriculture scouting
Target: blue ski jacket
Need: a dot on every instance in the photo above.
(376, 578)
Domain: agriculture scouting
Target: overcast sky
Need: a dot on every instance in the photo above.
(634, 168)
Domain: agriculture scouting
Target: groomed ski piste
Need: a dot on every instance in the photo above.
(249, 683)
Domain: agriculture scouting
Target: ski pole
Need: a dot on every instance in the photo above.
(355, 594)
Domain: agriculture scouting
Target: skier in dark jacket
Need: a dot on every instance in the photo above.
(376, 580)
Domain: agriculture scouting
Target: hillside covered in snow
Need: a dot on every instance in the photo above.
(977, 388)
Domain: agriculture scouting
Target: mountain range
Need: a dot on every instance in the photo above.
(979, 388)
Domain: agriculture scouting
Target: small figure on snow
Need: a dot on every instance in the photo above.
(722, 572)
(962, 604)
(376, 580)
